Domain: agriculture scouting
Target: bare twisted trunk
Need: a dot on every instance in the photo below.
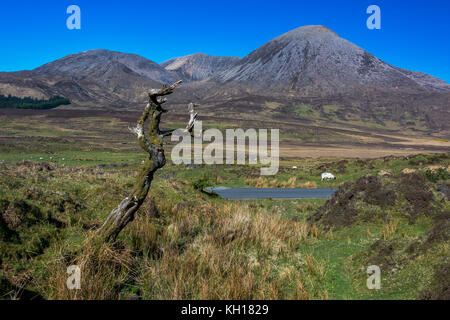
(153, 145)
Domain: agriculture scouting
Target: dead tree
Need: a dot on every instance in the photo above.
(153, 145)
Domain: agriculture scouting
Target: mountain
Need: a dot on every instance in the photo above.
(314, 60)
(199, 66)
(311, 70)
(96, 62)
(91, 78)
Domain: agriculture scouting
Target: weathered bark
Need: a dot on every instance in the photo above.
(153, 145)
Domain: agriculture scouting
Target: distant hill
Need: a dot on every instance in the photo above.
(103, 63)
(199, 66)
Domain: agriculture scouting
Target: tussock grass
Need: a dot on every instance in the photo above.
(389, 228)
(230, 258)
(274, 183)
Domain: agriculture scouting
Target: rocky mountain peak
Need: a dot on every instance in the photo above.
(314, 60)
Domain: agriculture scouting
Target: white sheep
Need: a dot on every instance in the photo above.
(327, 176)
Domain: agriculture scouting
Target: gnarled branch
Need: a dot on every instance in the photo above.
(153, 145)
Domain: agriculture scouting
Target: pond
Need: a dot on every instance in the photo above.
(271, 193)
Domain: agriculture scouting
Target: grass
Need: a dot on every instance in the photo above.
(306, 111)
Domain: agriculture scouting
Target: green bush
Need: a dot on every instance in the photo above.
(203, 182)
(437, 175)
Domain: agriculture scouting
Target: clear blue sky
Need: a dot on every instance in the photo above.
(415, 34)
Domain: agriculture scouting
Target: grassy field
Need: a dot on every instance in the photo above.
(59, 181)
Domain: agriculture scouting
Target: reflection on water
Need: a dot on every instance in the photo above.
(273, 193)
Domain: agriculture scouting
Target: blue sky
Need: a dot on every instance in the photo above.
(414, 34)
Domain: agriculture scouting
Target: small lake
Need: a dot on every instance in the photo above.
(272, 193)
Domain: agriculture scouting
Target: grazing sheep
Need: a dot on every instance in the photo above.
(327, 176)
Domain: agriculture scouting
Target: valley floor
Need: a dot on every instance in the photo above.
(66, 131)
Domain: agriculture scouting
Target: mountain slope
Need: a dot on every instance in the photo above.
(199, 66)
